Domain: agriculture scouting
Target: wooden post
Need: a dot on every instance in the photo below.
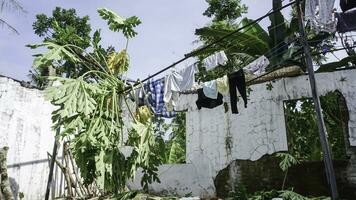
(51, 167)
(321, 125)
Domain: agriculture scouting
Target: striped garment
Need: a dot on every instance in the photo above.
(156, 89)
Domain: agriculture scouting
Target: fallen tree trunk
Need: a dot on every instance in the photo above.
(5, 188)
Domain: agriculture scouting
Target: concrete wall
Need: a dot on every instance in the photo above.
(216, 138)
(25, 126)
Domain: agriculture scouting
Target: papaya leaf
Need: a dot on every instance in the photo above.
(287, 161)
(117, 23)
(118, 63)
(55, 53)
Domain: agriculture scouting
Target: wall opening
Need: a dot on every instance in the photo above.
(302, 130)
(171, 139)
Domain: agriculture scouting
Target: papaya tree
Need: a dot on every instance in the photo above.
(90, 109)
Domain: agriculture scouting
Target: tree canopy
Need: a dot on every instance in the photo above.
(225, 10)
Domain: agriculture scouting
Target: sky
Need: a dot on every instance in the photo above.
(165, 35)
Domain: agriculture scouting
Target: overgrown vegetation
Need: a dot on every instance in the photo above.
(90, 109)
(173, 149)
(88, 88)
(302, 130)
(65, 27)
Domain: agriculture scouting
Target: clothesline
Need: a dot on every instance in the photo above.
(251, 82)
(209, 45)
(268, 53)
(135, 85)
(164, 91)
(280, 67)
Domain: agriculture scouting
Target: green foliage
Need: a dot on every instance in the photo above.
(173, 150)
(144, 142)
(287, 161)
(278, 33)
(225, 9)
(247, 41)
(117, 23)
(55, 54)
(279, 44)
(89, 114)
(267, 195)
(329, 67)
(118, 62)
(64, 27)
(302, 130)
(269, 86)
(176, 146)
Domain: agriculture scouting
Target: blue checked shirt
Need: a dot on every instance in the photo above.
(156, 88)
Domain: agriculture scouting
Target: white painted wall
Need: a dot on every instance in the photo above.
(257, 130)
(25, 126)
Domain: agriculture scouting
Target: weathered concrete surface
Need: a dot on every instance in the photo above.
(307, 178)
(179, 180)
(216, 138)
(25, 126)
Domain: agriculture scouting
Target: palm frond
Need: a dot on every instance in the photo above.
(3, 23)
(243, 42)
(12, 5)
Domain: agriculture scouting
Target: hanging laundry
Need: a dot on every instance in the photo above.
(258, 66)
(347, 5)
(138, 96)
(222, 85)
(215, 60)
(176, 82)
(237, 80)
(187, 102)
(320, 15)
(156, 89)
(188, 74)
(206, 102)
(346, 21)
(210, 90)
(171, 89)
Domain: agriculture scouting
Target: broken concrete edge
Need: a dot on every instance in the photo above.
(25, 84)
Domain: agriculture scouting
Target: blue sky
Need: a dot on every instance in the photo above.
(165, 35)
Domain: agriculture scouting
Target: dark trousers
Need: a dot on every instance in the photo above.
(237, 80)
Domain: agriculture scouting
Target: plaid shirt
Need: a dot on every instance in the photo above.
(156, 88)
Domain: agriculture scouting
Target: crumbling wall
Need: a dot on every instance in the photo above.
(25, 127)
(216, 138)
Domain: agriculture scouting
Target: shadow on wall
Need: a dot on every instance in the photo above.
(307, 178)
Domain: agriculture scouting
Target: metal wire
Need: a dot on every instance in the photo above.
(193, 53)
